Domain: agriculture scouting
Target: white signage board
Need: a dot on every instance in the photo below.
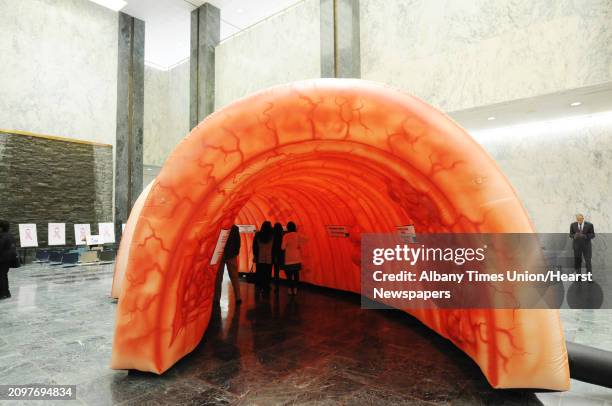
(81, 231)
(93, 240)
(337, 231)
(57, 234)
(106, 231)
(247, 228)
(27, 235)
(407, 234)
(218, 252)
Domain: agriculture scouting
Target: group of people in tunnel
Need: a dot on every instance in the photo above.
(274, 249)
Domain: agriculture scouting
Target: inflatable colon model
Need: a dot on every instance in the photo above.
(322, 152)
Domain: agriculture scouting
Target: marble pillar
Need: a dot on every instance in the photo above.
(328, 41)
(348, 63)
(205, 35)
(340, 45)
(130, 108)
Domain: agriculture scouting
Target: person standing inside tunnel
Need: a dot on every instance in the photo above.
(8, 255)
(262, 256)
(277, 253)
(230, 259)
(582, 232)
(293, 257)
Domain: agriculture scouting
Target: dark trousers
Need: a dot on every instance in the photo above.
(276, 268)
(582, 250)
(263, 274)
(4, 283)
(293, 277)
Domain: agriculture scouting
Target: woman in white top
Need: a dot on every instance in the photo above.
(293, 257)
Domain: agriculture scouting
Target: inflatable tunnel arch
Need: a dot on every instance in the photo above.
(322, 152)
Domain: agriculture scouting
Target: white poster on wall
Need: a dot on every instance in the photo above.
(223, 235)
(81, 231)
(106, 231)
(27, 235)
(57, 234)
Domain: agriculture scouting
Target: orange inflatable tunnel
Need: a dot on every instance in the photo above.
(323, 152)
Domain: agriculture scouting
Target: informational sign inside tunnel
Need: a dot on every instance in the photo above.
(407, 234)
(216, 257)
(247, 228)
(337, 231)
(504, 271)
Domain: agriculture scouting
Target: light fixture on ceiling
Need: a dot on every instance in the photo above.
(240, 10)
(114, 5)
(574, 104)
(491, 118)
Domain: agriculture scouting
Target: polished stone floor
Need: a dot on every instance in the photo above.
(320, 348)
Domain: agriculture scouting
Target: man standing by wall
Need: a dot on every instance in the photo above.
(582, 232)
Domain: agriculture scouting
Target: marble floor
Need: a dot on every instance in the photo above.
(320, 348)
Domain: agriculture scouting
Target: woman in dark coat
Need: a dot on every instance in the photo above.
(277, 252)
(8, 252)
(262, 256)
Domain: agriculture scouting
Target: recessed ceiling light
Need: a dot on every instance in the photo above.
(240, 10)
(574, 104)
(114, 5)
(491, 118)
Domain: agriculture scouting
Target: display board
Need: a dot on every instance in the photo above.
(407, 234)
(247, 228)
(337, 231)
(81, 231)
(93, 240)
(106, 231)
(56, 234)
(27, 235)
(219, 247)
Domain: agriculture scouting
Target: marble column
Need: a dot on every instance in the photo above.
(205, 34)
(340, 45)
(328, 39)
(130, 107)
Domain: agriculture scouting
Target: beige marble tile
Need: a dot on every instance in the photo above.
(458, 55)
(558, 169)
(58, 73)
(281, 49)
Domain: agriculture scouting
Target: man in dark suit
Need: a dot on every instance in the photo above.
(582, 232)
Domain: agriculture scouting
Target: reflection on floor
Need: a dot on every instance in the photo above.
(318, 348)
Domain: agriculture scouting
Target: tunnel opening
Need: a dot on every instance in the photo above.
(326, 152)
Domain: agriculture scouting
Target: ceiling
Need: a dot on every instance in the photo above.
(167, 23)
(554, 106)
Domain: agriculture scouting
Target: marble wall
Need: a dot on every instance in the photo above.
(166, 111)
(281, 49)
(462, 54)
(58, 73)
(558, 169)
